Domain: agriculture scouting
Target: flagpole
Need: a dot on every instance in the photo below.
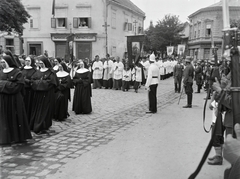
(53, 8)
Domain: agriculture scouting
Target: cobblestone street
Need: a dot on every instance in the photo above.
(113, 111)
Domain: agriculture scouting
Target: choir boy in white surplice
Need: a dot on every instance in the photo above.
(97, 73)
(107, 74)
(117, 73)
(127, 76)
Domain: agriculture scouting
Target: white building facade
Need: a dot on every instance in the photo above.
(99, 27)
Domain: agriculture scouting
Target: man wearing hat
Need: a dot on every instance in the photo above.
(152, 83)
(177, 75)
(188, 75)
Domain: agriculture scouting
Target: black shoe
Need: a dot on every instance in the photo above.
(187, 106)
(150, 112)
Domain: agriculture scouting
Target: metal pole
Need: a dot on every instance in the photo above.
(225, 8)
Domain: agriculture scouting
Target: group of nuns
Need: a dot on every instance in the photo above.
(34, 94)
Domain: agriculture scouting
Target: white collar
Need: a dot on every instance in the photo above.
(7, 70)
(27, 67)
(82, 70)
(62, 74)
(55, 67)
(43, 69)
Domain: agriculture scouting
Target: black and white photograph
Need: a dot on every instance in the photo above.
(119, 89)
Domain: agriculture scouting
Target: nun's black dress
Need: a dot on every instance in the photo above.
(62, 97)
(13, 118)
(83, 92)
(28, 93)
(44, 85)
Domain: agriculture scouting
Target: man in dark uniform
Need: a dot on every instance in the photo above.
(152, 84)
(177, 75)
(188, 75)
(198, 76)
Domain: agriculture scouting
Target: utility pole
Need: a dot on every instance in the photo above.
(107, 2)
(106, 32)
(135, 22)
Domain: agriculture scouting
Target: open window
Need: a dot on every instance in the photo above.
(208, 30)
(59, 22)
(10, 44)
(82, 22)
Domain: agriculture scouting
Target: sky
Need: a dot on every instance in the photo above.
(156, 9)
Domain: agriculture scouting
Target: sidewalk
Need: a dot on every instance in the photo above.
(166, 145)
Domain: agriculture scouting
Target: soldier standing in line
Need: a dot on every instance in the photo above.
(188, 74)
(177, 75)
(198, 76)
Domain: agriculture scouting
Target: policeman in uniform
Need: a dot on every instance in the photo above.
(188, 74)
(152, 84)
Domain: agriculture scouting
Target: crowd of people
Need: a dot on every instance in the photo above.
(36, 90)
(215, 77)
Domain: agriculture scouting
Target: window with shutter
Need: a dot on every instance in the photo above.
(53, 22)
(125, 25)
(129, 26)
(34, 20)
(75, 22)
(89, 22)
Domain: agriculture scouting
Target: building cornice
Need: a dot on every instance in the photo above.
(213, 8)
(127, 8)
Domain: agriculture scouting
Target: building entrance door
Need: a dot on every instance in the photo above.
(35, 49)
(84, 50)
(60, 49)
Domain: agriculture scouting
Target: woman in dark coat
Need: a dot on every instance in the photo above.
(28, 71)
(62, 93)
(83, 91)
(13, 118)
(44, 83)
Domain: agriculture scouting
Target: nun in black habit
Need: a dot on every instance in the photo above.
(83, 91)
(44, 83)
(13, 118)
(62, 93)
(28, 71)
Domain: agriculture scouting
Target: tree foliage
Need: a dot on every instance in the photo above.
(235, 23)
(165, 33)
(12, 16)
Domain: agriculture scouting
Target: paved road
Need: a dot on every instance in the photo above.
(114, 111)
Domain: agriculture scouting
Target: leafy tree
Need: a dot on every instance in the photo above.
(12, 16)
(165, 33)
(235, 23)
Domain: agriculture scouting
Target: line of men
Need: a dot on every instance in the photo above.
(116, 74)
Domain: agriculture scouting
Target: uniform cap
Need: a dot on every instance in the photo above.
(152, 58)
